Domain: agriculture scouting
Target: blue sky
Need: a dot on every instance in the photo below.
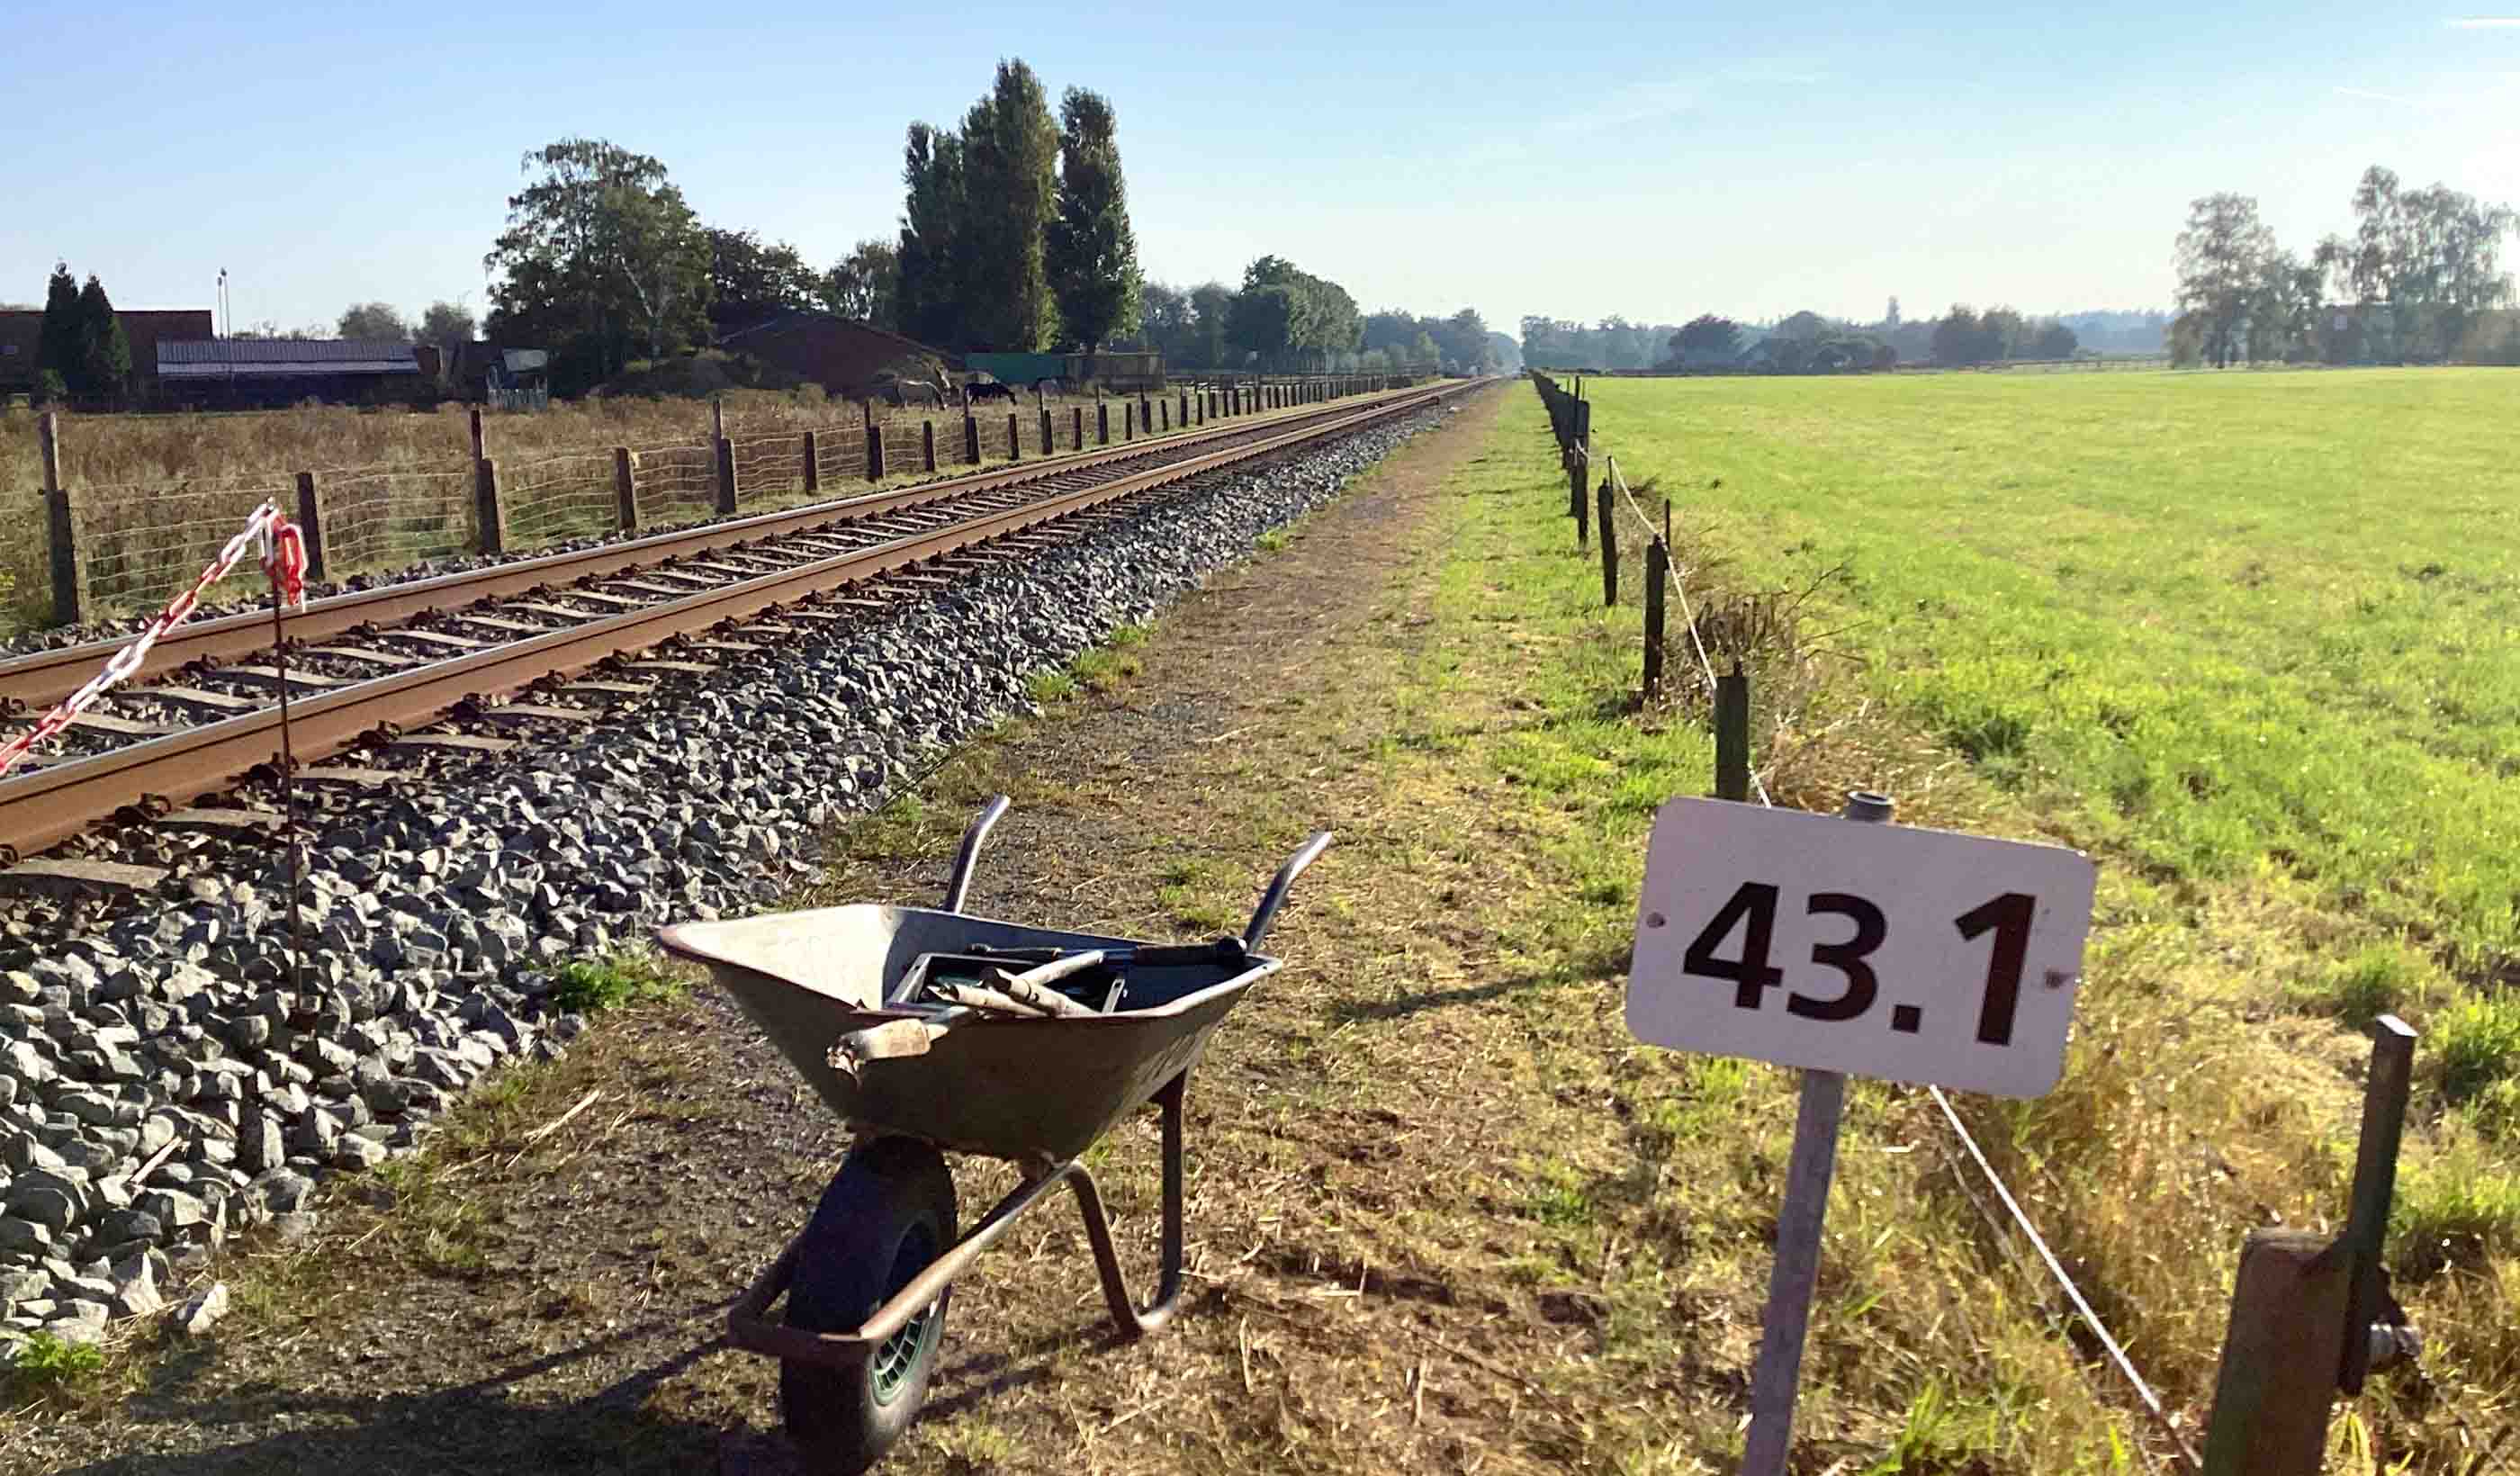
(1575, 160)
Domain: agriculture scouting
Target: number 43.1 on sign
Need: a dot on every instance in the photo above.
(1874, 950)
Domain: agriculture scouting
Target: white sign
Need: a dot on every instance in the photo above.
(1873, 950)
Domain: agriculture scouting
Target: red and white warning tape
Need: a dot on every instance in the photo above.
(284, 563)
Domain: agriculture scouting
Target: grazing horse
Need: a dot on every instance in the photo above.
(904, 391)
(991, 390)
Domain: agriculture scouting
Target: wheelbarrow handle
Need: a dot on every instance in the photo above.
(960, 885)
(1275, 896)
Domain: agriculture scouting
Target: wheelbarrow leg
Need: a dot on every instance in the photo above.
(1098, 1228)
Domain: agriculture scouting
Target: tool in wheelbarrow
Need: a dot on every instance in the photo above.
(932, 1031)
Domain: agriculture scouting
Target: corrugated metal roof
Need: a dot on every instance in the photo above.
(316, 355)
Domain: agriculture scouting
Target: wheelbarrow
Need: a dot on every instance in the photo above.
(931, 1030)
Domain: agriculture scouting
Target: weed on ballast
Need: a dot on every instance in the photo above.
(47, 1366)
(588, 986)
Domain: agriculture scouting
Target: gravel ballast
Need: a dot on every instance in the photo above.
(160, 1085)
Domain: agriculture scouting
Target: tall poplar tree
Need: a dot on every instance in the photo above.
(1090, 251)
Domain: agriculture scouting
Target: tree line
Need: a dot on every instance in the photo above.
(1803, 343)
(2421, 274)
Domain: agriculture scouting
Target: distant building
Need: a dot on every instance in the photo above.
(504, 378)
(235, 372)
(841, 354)
(20, 332)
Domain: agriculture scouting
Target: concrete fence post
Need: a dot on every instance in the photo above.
(310, 525)
(69, 571)
(626, 488)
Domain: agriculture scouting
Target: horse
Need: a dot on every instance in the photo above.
(990, 389)
(903, 391)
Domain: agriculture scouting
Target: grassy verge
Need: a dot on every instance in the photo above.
(2157, 619)
(1605, 1208)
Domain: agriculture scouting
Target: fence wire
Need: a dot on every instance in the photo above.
(772, 465)
(559, 497)
(140, 550)
(675, 483)
(378, 520)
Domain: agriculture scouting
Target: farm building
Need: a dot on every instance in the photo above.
(1123, 371)
(285, 371)
(841, 354)
(22, 331)
(503, 379)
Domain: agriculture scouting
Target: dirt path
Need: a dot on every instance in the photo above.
(555, 1304)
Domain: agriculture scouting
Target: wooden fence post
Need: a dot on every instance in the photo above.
(480, 444)
(813, 463)
(725, 477)
(1164, 415)
(928, 445)
(874, 452)
(2273, 1395)
(1102, 419)
(1128, 420)
(490, 520)
(311, 526)
(1657, 573)
(970, 440)
(1609, 546)
(1014, 437)
(1146, 415)
(1049, 442)
(1076, 414)
(1733, 736)
(1183, 417)
(626, 488)
(69, 572)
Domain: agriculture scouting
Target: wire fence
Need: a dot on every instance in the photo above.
(774, 466)
(385, 519)
(560, 498)
(1617, 504)
(140, 547)
(116, 545)
(675, 483)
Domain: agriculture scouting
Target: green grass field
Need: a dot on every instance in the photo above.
(2222, 623)
(2249, 639)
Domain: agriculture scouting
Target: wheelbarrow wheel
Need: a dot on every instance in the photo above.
(888, 1213)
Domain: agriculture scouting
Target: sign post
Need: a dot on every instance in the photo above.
(1932, 957)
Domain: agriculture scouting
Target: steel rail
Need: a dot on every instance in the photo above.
(40, 809)
(40, 679)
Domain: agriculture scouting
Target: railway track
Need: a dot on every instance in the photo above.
(368, 668)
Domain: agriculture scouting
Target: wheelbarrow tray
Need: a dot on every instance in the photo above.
(1035, 1089)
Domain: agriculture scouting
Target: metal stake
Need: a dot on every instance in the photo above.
(287, 788)
(1814, 1164)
